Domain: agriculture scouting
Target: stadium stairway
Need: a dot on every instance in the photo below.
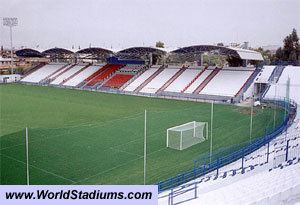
(47, 79)
(276, 74)
(140, 87)
(133, 78)
(93, 76)
(53, 77)
(248, 83)
(72, 76)
(105, 75)
(174, 77)
(274, 77)
(197, 76)
(207, 80)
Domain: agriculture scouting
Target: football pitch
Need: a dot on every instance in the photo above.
(82, 137)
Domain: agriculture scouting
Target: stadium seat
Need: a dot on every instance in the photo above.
(105, 74)
(118, 80)
(42, 73)
(183, 80)
(227, 82)
(82, 76)
(67, 74)
(198, 80)
(159, 80)
(279, 90)
(138, 81)
(92, 76)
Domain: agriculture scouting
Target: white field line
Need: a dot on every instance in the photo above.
(105, 171)
(130, 153)
(43, 170)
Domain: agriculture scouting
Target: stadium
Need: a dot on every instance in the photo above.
(205, 123)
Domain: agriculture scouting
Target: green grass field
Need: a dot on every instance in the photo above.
(81, 137)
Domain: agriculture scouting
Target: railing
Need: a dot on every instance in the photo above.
(205, 163)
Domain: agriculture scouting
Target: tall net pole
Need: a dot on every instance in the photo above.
(27, 157)
(211, 129)
(145, 147)
(274, 118)
(251, 115)
(287, 96)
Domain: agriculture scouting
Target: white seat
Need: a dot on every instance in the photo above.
(198, 81)
(66, 75)
(137, 82)
(226, 83)
(42, 73)
(183, 80)
(280, 88)
(159, 80)
(82, 75)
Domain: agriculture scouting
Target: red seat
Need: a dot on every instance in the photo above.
(118, 80)
(96, 73)
(110, 69)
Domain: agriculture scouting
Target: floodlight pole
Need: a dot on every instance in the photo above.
(27, 157)
(211, 129)
(11, 50)
(10, 22)
(145, 146)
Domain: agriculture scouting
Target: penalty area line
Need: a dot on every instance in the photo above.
(43, 170)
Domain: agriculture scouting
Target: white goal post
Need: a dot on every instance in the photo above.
(186, 135)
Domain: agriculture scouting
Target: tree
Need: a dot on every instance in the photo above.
(159, 44)
(279, 54)
(291, 48)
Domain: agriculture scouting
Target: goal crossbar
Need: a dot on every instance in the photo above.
(188, 134)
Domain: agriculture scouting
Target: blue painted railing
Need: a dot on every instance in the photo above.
(205, 163)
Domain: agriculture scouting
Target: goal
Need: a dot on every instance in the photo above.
(187, 135)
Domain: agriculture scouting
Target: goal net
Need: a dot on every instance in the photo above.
(187, 135)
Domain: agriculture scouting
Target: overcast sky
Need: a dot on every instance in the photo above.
(125, 23)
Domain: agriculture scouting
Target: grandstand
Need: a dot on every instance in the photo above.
(76, 80)
(198, 80)
(265, 74)
(158, 81)
(142, 78)
(289, 79)
(42, 73)
(233, 79)
(62, 77)
(118, 80)
(179, 84)
(107, 72)
(134, 77)
(142, 71)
